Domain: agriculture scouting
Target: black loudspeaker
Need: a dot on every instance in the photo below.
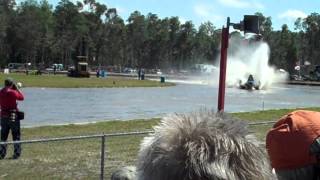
(251, 24)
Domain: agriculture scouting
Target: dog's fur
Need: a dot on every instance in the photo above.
(125, 173)
(202, 146)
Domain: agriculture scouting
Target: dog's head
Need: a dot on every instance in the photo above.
(202, 145)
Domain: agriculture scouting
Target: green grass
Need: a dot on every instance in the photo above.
(76, 159)
(269, 115)
(80, 159)
(87, 129)
(62, 81)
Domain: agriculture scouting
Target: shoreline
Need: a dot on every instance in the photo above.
(241, 115)
(306, 83)
(63, 81)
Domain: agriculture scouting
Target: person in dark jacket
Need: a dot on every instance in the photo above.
(9, 95)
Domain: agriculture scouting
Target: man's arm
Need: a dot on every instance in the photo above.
(18, 95)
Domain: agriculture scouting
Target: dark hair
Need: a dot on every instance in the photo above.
(8, 82)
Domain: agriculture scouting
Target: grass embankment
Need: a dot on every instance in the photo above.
(270, 115)
(63, 81)
(80, 159)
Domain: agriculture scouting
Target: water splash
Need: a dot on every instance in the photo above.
(243, 59)
(252, 59)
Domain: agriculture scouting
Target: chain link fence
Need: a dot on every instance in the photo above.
(79, 157)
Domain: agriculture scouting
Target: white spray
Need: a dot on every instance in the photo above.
(245, 59)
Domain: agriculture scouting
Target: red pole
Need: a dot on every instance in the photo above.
(223, 67)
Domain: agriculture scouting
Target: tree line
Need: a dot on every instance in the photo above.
(38, 33)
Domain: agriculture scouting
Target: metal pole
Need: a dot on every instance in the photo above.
(103, 139)
(223, 66)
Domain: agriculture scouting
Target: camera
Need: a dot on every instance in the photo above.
(14, 86)
(17, 85)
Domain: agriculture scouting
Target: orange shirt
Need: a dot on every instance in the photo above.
(288, 142)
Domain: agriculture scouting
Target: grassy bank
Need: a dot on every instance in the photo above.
(80, 159)
(270, 115)
(62, 81)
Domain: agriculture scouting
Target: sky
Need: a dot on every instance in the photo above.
(216, 11)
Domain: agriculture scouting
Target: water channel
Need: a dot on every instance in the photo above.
(51, 106)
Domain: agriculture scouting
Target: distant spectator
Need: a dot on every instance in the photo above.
(98, 73)
(139, 74)
(142, 74)
(26, 68)
(202, 146)
(54, 70)
(38, 72)
(103, 73)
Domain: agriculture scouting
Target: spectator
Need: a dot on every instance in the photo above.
(54, 69)
(293, 145)
(9, 121)
(139, 74)
(98, 73)
(142, 74)
(202, 146)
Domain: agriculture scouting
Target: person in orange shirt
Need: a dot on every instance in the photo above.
(9, 108)
(293, 145)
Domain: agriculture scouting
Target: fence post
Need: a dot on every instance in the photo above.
(103, 139)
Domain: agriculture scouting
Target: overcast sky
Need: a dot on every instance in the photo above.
(216, 11)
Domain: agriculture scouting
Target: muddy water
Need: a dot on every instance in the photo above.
(49, 106)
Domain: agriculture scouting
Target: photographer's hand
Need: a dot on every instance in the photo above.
(14, 87)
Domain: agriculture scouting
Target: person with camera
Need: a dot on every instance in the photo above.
(9, 95)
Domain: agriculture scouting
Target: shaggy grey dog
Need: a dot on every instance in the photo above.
(125, 173)
(202, 146)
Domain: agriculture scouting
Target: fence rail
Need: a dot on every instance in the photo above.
(75, 137)
(261, 123)
(104, 140)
